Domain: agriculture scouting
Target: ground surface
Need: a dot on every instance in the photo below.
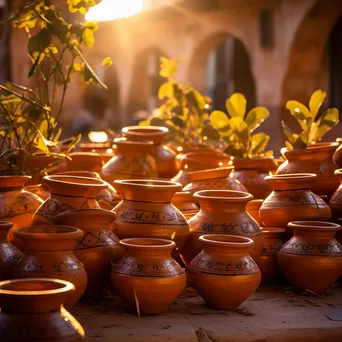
(272, 314)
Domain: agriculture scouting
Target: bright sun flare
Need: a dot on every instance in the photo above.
(114, 9)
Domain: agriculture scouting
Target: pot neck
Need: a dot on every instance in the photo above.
(134, 148)
(209, 205)
(260, 164)
(314, 229)
(300, 181)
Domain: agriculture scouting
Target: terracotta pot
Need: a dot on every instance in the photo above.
(133, 160)
(213, 179)
(253, 208)
(292, 200)
(335, 202)
(38, 189)
(31, 310)
(147, 277)
(314, 159)
(85, 161)
(224, 274)
(68, 193)
(16, 204)
(97, 248)
(146, 212)
(48, 254)
(338, 153)
(9, 254)
(312, 258)
(222, 212)
(183, 201)
(164, 156)
(268, 264)
(251, 173)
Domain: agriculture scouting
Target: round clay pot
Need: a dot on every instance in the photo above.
(224, 274)
(222, 212)
(133, 160)
(268, 264)
(183, 201)
(338, 153)
(32, 310)
(97, 248)
(292, 200)
(164, 156)
(335, 202)
(253, 208)
(147, 277)
(68, 193)
(16, 204)
(313, 159)
(9, 254)
(48, 254)
(38, 189)
(213, 179)
(312, 258)
(85, 161)
(251, 172)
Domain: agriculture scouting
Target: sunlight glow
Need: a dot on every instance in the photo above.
(114, 9)
(98, 136)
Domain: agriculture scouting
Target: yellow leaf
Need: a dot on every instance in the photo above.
(88, 37)
(77, 66)
(92, 26)
(236, 105)
(107, 61)
(316, 100)
(144, 123)
(256, 117)
(219, 119)
(298, 110)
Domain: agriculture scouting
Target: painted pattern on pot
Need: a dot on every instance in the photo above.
(335, 202)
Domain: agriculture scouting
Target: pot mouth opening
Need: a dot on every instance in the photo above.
(223, 195)
(226, 240)
(48, 232)
(309, 225)
(86, 174)
(6, 225)
(81, 154)
(219, 172)
(145, 130)
(143, 243)
(150, 183)
(13, 181)
(272, 230)
(291, 177)
(75, 180)
(124, 142)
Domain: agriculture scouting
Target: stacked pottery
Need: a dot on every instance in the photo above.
(335, 202)
(312, 258)
(253, 208)
(48, 254)
(183, 201)
(224, 274)
(147, 277)
(97, 248)
(32, 310)
(222, 212)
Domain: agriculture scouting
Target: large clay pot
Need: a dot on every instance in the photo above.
(85, 161)
(312, 258)
(335, 202)
(213, 179)
(268, 264)
(314, 159)
(222, 212)
(97, 248)
(251, 172)
(133, 160)
(184, 202)
(32, 310)
(338, 153)
(292, 200)
(68, 193)
(253, 208)
(224, 274)
(48, 254)
(164, 156)
(146, 211)
(9, 254)
(147, 277)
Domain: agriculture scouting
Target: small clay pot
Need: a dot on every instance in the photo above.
(274, 239)
(48, 254)
(147, 277)
(32, 310)
(253, 208)
(338, 153)
(335, 202)
(97, 248)
(292, 200)
(251, 172)
(9, 254)
(224, 274)
(222, 212)
(134, 160)
(183, 201)
(164, 156)
(85, 161)
(312, 258)
(317, 159)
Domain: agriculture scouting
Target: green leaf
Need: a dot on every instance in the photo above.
(88, 37)
(39, 42)
(256, 117)
(316, 100)
(165, 90)
(236, 105)
(259, 143)
(219, 120)
(107, 61)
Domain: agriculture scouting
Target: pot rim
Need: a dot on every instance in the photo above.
(6, 224)
(144, 131)
(65, 233)
(154, 242)
(292, 177)
(125, 142)
(338, 172)
(272, 230)
(150, 184)
(219, 195)
(226, 240)
(310, 148)
(182, 196)
(219, 172)
(310, 225)
(13, 181)
(91, 174)
(62, 179)
(88, 154)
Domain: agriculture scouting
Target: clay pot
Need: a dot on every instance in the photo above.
(213, 179)
(85, 161)
(147, 277)
(48, 254)
(335, 202)
(292, 200)
(97, 248)
(134, 160)
(9, 254)
(338, 153)
(224, 274)
(164, 156)
(183, 201)
(68, 193)
(316, 159)
(38, 189)
(253, 208)
(251, 172)
(146, 212)
(31, 310)
(312, 258)
(222, 212)
(268, 264)
(16, 204)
